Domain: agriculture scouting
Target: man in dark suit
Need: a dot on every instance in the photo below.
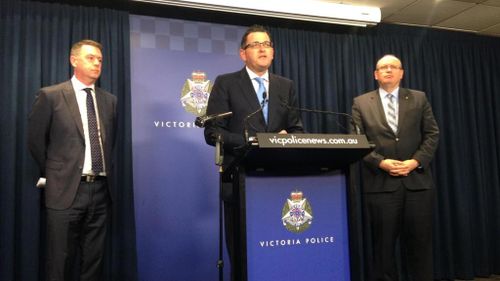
(397, 180)
(71, 137)
(250, 90)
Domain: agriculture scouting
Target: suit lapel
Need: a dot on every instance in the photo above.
(378, 108)
(404, 97)
(70, 98)
(101, 107)
(274, 99)
(249, 94)
(248, 91)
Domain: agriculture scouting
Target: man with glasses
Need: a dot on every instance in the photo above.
(258, 101)
(398, 185)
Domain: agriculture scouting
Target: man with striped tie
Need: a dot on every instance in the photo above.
(397, 181)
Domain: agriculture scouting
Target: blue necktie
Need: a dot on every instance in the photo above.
(262, 96)
(95, 145)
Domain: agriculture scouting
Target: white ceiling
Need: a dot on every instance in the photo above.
(478, 16)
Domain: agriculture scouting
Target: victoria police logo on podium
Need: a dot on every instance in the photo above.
(297, 213)
(195, 93)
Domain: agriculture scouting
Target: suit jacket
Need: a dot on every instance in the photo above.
(417, 137)
(235, 92)
(57, 143)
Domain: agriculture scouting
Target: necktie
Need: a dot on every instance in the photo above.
(391, 113)
(262, 96)
(95, 145)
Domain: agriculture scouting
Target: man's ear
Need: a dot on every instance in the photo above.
(243, 55)
(73, 60)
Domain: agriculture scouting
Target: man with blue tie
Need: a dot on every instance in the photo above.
(71, 135)
(249, 89)
(397, 181)
(258, 100)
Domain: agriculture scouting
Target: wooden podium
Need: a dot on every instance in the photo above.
(293, 206)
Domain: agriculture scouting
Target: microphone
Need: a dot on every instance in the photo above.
(202, 120)
(245, 121)
(356, 127)
(264, 99)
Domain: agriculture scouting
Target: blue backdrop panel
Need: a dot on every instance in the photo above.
(175, 179)
(320, 252)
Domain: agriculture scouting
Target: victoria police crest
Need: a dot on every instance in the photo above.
(195, 93)
(297, 213)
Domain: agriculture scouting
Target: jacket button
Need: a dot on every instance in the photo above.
(397, 139)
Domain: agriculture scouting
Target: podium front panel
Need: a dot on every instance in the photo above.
(296, 227)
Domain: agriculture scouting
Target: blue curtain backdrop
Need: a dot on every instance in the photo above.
(35, 39)
(460, 74)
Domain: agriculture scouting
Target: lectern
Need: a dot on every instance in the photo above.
(293, 206)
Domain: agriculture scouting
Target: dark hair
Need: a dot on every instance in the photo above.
(75, 49)
(252, 29)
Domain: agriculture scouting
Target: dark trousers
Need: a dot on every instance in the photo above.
(80, 227)
(406, 215)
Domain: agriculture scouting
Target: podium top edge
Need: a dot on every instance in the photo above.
(303, 140)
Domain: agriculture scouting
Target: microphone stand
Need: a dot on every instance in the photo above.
(357, 130)
(219, 159)
(245, 121)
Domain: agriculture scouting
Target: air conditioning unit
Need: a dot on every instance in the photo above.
(307, 10)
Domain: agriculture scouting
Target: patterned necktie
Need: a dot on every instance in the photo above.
(391, 113)
(262, 96)
(95, 145)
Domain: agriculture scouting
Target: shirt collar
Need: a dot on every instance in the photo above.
(79, 86)
(253, 75)
(383, 93)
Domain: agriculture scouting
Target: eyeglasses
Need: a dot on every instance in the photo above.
(388, 66)
(255, 45)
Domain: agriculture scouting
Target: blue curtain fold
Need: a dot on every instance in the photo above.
(460, 74)
(35, 40)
